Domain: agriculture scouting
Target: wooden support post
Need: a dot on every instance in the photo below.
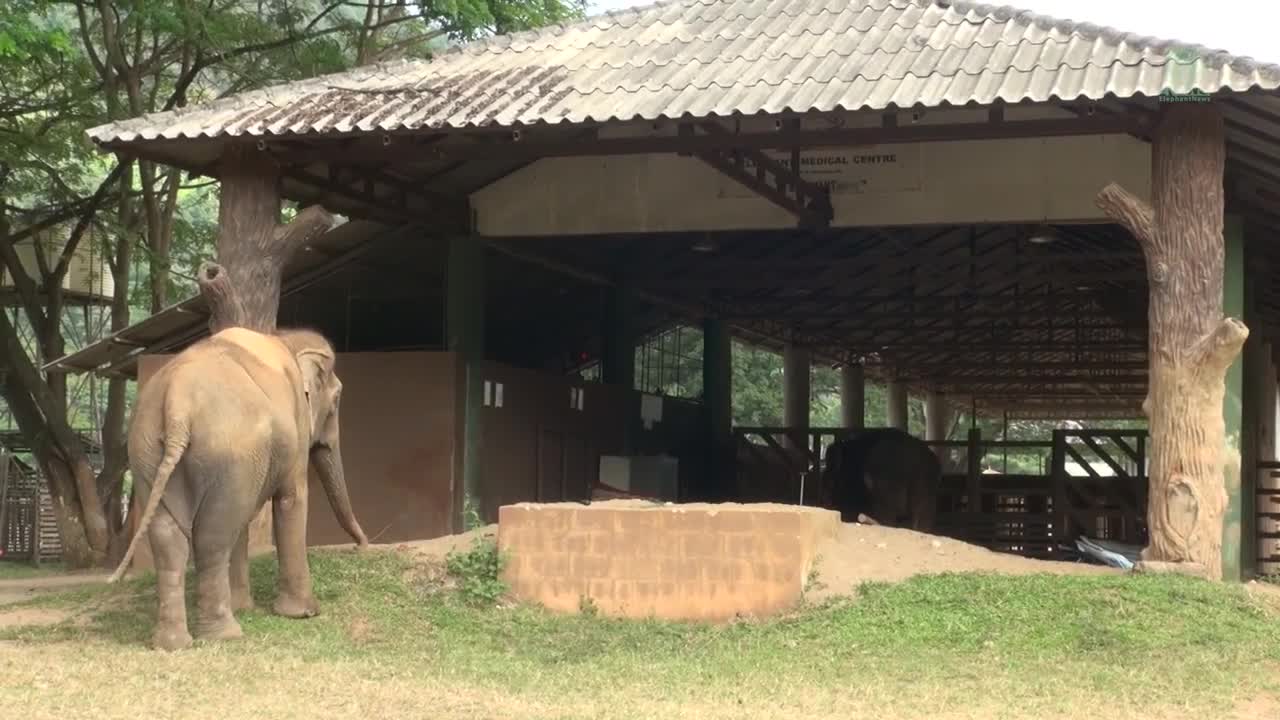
(896, 398)
(1062, 533)
(853, 396)
(1191, 343)
(618, 355)
(464, 332)
(796, 368)
(937, 421)
(973, 479)
(717, 394)
(618, 359)
(937, 416)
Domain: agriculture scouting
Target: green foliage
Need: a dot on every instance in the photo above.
(478, 571)
(471, 514)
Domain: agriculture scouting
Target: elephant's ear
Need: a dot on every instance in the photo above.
(317, 368)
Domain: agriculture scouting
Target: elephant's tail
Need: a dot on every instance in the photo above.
(175, 444)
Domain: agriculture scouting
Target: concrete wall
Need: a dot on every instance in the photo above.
(687, 562)
(1025, 180)
(536, 445)
(398, 419)
(542, 440)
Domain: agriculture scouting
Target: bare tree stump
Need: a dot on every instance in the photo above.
(225, 309)
(1191, 344)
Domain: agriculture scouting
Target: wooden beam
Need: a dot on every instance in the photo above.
(518, 145)
(774, 181)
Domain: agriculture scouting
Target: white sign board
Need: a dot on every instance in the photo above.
(866, 169)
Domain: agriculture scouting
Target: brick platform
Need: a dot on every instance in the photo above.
(678, 562)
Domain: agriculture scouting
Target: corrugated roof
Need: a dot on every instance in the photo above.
(705, 58)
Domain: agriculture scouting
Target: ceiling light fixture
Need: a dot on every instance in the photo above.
(1042, 235)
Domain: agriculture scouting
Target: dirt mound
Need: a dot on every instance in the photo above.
(436, 548)
(861, 553)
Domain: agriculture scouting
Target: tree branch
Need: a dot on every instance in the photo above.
(28, 291)
(1215, 352)
(225, 310)
(1134, 214)
(305, 227)
(82, 225)
(292, 39)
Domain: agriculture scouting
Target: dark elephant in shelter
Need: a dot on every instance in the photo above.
(886, 474)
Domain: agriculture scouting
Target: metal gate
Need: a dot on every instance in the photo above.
(1100, 485)
(28, 531)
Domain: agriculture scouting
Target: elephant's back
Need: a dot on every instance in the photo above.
(236, 416)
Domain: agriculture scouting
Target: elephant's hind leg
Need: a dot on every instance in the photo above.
(214, 620)
(241, 598)
(218, 527)
(169, 549)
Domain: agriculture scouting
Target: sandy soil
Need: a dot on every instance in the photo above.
(435, 549)
(863, 553)
(20, 589)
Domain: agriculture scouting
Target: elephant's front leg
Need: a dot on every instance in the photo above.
(289, 507)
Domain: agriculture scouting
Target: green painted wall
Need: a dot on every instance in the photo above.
(717, 389)
(1233, 305)
(464, 330)
(618, 353)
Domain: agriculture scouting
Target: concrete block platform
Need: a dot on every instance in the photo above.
(709, 562)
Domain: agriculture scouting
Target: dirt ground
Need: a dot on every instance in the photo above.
(19, 590)
(862, 553)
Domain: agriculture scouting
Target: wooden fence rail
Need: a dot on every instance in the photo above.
(1095, 485)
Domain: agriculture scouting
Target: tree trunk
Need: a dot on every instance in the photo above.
(253, 246)
(1191, 345)
(115, 445)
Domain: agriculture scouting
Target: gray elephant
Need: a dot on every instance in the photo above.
(230, 422)
(884, 473)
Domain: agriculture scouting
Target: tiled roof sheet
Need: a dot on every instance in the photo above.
(704, 58)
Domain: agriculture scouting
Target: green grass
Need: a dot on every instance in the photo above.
(1035, 644)
(14, 570)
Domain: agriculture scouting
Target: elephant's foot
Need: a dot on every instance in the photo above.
(293, 606)
(167, 638)
(219, 629)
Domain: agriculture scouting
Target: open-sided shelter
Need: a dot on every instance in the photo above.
(911, 189)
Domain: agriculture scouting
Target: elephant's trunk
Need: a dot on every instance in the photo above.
(328, 463)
